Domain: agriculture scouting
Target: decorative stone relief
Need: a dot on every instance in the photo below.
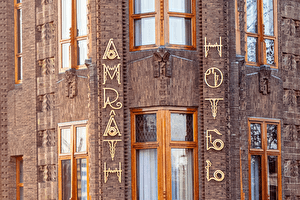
(290, 132)
(47, 173)
(47, 31)
(47, 66)
(70, 83)
(289, 97)
(291, 168)
(46, 138)
(45, 102)
(45, 2)
(162, 64)
(264, 79)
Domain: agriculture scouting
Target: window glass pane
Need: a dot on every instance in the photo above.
(270, 51)
(21, 193)
(19, 31)
(268, 17)
(182, 127)
(66, 13)
(144, 6)
(146, 165)
(256, 190)
(272, 136)
(144, 32)
(180, 31)
(65, 140)
(81, 17)
(145, 126)
(82, 51)
(66, 179)
(183, 6)
(252, 49)
(81, 179)
(21, 171)
(255, 136)
(272, 178)
(252, 16)
(20, 69)
(81, 139)
(65, 55)
(182, 174)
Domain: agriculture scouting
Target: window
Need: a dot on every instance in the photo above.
(73, 34)
(164, 154)
(264, 159)
(18, 41)
(73, 161)
(169, 23)
(261, 32)
(19, 178)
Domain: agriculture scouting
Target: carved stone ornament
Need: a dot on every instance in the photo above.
(71, 83)
(162, 64)
(264, 79)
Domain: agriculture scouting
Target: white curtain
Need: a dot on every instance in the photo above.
(255, 177)
(268, 17)
(144, 6)
(147, 174)
(144, 31)
(182, 174)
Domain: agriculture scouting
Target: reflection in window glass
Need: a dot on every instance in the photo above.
(19, 30)
(66, 179)
(65, 55)
(251, 49)
(180, 31)
(21, 171)
(146, 161)
(272, 136)
(252, 16)
(270, 51)
(268, 17)
(81, 17)
(81, 179)
(272, 178)
(81, 139)
(82, 51)
(182, 174)
(256, 181)
(145, 128)
(20, 69)
(255, 136)
(66, 13)
(181, 127)
(144, 6)
(144, 32)
(65, 141)
(183, 6)
(21, 193)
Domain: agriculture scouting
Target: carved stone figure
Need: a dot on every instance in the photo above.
(264, 79)
(162, 64)
(71, 83)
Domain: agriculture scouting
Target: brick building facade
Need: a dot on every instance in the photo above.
(240, 106)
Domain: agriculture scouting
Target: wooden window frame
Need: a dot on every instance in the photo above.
(261, 45)
(264, 152)
(18, 183)
(73, 48)
(162, 15)
(17, 6)
(73, 156)
(163, 146)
